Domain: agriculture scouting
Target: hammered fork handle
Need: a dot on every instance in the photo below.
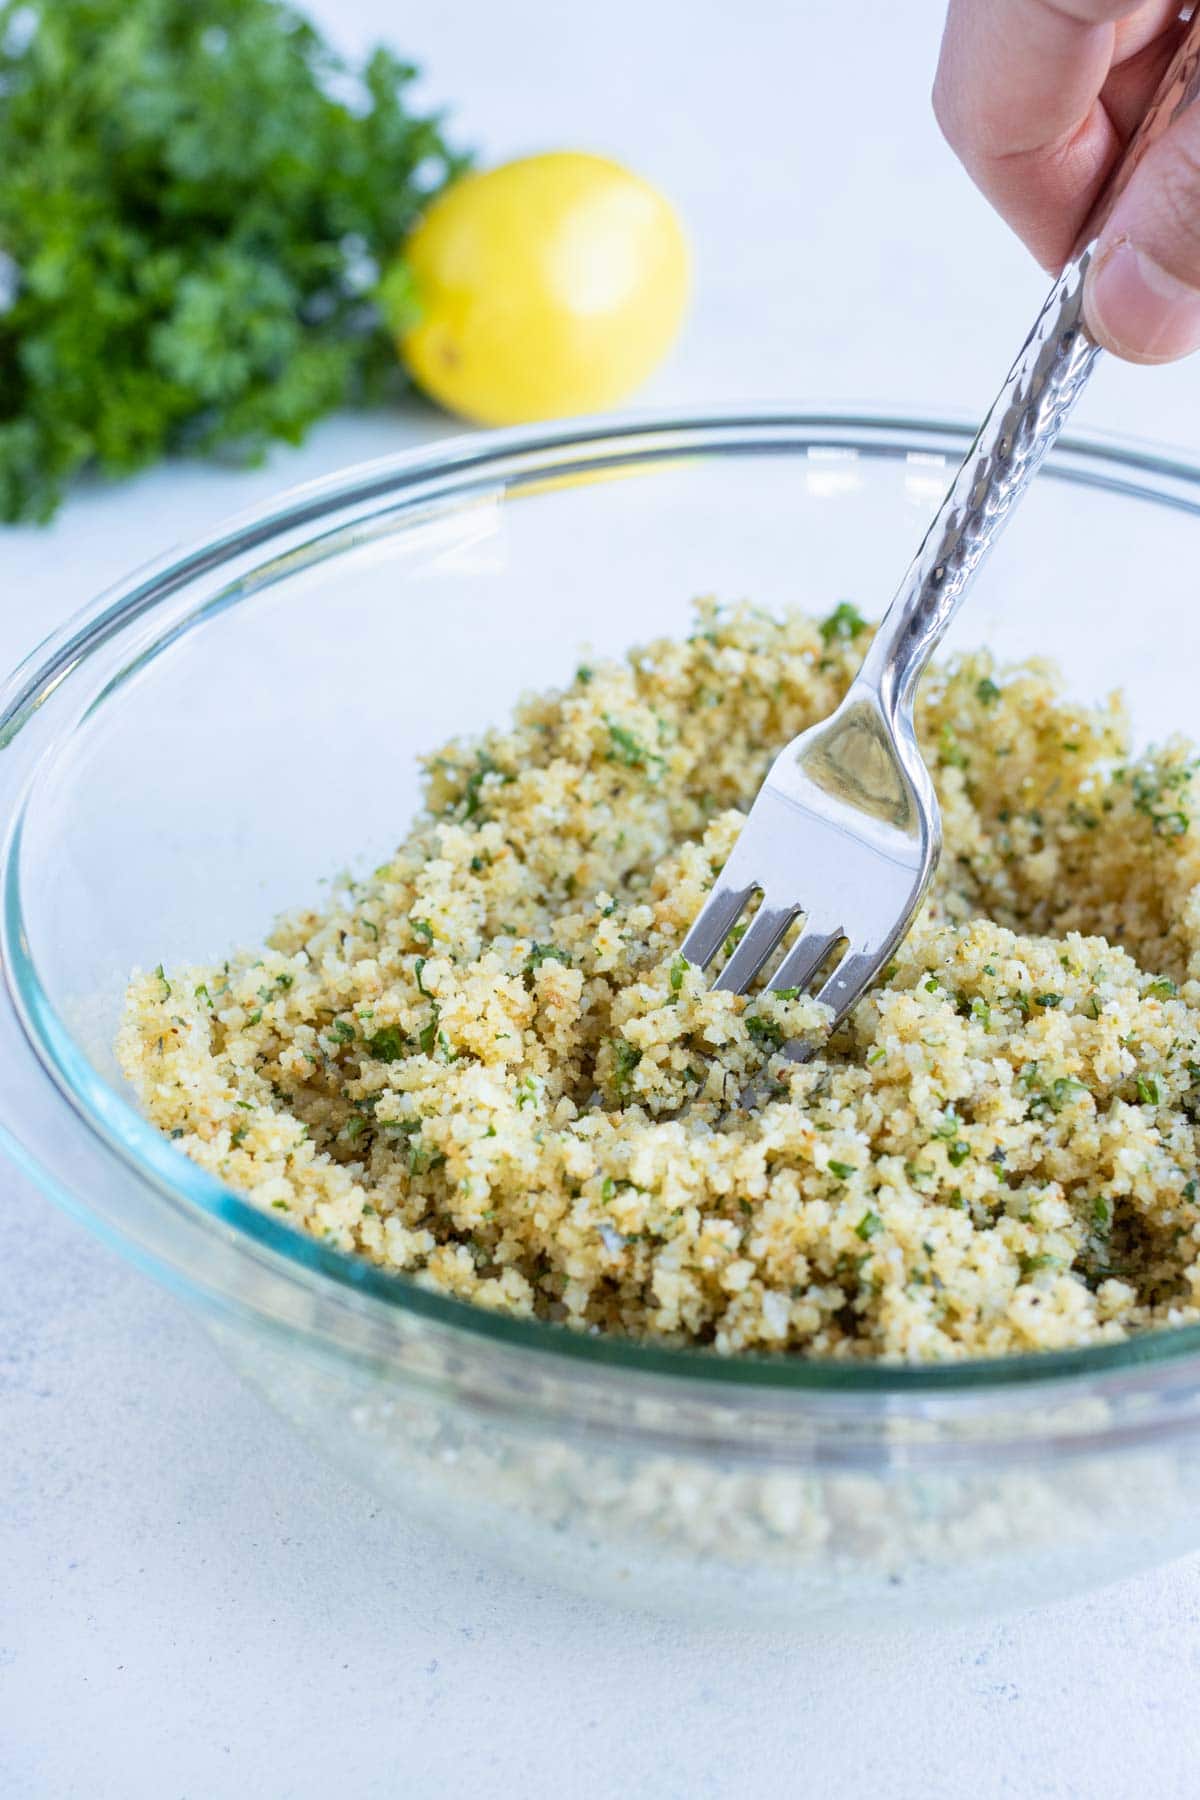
(1033, 405)
(1031, 409)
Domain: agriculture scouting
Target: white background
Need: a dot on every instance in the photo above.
(190, 1604)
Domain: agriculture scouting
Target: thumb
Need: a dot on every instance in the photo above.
(1141, 298)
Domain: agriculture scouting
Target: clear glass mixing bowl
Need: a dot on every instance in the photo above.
(200, 748)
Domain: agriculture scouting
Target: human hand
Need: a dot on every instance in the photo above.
(1037, 99)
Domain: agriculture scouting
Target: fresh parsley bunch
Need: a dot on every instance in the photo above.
(197, 201)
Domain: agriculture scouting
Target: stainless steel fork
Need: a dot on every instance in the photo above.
(846, 829)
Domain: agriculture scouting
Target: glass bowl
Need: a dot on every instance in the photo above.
(202, 747)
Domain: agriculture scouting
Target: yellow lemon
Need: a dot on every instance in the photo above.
(545, 287)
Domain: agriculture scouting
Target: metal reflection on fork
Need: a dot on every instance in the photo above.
(846, 830)
(840, 816)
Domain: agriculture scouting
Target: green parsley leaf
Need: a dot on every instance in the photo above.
(626, 1057)
(541, 953)
(429, 1033)
(950, 751)
(843, 624)
(199, 200)
(421, 1159)
(768, 1032)
(472, 800)
(1029, 1265)
(626, 747)
(388, 1045)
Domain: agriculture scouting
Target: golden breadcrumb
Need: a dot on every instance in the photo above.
(487, 1065)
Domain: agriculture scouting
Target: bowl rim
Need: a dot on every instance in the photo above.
(1158, 474)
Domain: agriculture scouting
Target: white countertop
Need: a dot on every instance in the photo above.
(191, 1605)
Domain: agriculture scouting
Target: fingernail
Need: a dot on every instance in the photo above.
(1133, 304)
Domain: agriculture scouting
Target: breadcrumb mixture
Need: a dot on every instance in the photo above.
(488, 1066)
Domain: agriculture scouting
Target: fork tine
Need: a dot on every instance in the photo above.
(717, 918)
(766, 928)
(803, 959)
(849, 981)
